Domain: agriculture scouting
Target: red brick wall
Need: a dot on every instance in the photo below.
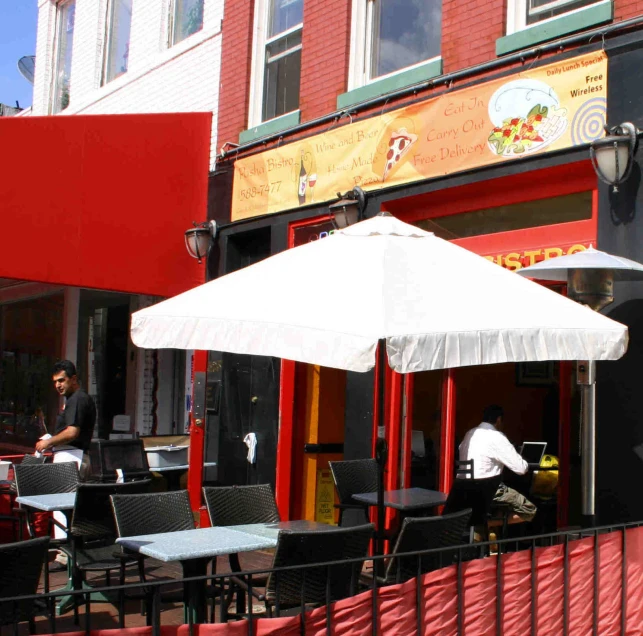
(626, 9)
(325, 53)
(469, 33)
(236, 61)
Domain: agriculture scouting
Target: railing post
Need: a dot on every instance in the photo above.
(534, 587)
(156, 611)
(566, 586)
(596, 583)
(460, 595)
(624, 582)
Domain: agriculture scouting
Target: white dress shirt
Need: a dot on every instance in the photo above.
(491, 451)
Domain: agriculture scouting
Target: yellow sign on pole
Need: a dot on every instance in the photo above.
(325, 497)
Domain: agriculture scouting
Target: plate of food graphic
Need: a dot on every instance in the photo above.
(395, 141)
(527, 116)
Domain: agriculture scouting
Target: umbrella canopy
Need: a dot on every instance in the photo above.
(329, 303)
(558, 268)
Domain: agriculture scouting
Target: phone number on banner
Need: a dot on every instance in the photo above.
(258, 191)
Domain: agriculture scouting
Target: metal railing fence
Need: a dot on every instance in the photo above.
(221, 598)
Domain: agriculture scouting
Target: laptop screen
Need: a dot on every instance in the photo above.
(532, 452)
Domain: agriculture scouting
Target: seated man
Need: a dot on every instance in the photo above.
(491, 451)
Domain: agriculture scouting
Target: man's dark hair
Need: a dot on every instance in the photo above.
(492, 413)
(67, 366)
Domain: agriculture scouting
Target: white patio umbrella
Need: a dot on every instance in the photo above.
(331, 301)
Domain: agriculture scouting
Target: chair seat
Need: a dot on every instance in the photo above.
(108, 557)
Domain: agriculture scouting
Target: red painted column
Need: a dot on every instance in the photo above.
(394, 416)
(407, 412)
(197, 440)
(447, 436)
(285, 438)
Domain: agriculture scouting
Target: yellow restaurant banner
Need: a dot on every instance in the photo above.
(548, 108)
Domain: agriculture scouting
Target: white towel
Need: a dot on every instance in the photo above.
(251, 442)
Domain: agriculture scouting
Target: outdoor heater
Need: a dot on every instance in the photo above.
(590, 276)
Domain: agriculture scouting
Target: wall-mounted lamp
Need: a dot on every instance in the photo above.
(199, 238)
(613, 155)
(349, 209)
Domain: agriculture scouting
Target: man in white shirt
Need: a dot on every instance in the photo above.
(491, 451)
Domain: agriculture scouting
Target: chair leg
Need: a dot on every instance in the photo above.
(121, 597)
(145, 606)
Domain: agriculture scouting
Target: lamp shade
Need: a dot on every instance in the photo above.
(197, 241)
(345, 212)
(612, 156)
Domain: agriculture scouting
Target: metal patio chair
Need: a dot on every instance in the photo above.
(239, 505)
(92, 535)
(44, 479)
(353, 477)
(424, 533)
(21, 566)
(154, 513)
(318, 584)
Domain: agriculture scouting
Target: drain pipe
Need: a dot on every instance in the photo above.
(499, 63)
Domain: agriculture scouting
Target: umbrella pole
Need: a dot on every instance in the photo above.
(588, 448)
(381, 455)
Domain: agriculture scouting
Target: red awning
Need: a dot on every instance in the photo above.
(102, 201)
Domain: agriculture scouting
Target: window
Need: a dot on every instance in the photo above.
(186, 19)
(392, 35)
(65, 41)
(510, 217)
(277, 66)
(119, 22)
(525, 13)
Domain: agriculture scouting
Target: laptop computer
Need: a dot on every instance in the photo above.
(532, 452)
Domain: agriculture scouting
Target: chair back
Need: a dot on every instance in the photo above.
(20, 573)
(32, 459)
(93, 516)
(237, 505)
(354, 476)
(464, 469)
(476, 494)
(426, 533)
(108, 455)
(289, 587)
(45, 479)
(152, 513)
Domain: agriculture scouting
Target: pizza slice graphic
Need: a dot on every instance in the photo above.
(399, 144)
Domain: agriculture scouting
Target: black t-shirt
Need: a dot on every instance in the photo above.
(80, 411)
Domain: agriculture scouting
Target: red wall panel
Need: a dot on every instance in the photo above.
(103, 201)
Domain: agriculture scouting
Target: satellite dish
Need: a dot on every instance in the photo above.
(27, 67)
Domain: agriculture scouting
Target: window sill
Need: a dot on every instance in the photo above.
(556, 27)
(270, 127)
(390, 84)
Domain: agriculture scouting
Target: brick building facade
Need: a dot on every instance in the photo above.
(339, 68)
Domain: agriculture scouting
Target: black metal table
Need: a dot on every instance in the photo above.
(406, 500)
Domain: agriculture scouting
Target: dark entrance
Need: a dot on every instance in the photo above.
(244, 391)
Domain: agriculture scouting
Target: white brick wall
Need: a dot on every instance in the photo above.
(182, 78)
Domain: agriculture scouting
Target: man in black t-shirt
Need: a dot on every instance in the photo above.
(75, 423)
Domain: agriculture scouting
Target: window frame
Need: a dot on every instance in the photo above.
(517, 14)
(171, 23)
(260, 42)
(109, 16)
(361, 46)
(54, 108)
